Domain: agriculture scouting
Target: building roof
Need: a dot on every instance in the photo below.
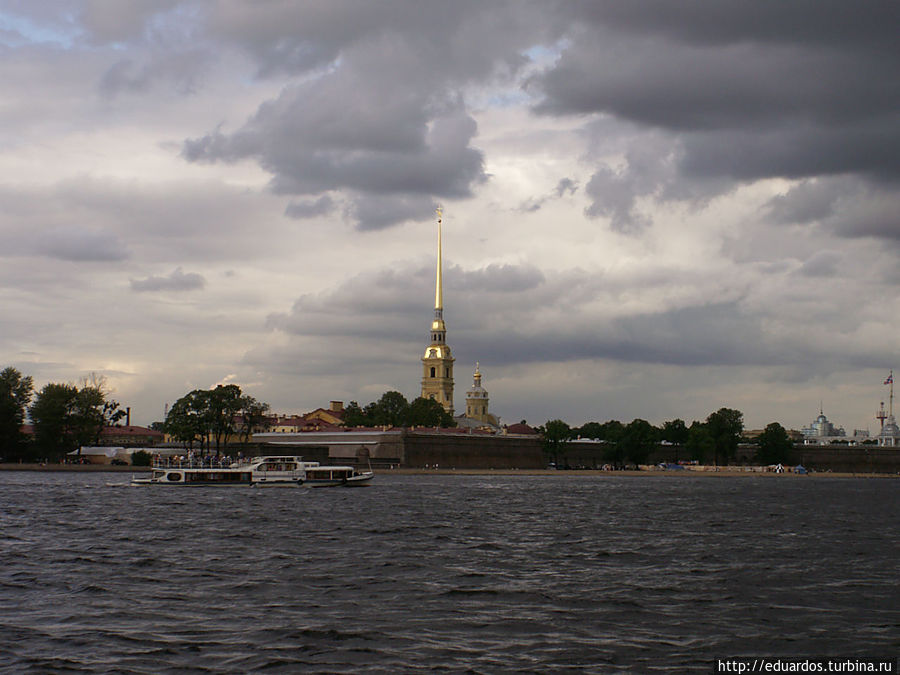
(131, 431)
(118, 432)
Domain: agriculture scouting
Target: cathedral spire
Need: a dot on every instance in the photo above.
(438, 286)
(437, 363)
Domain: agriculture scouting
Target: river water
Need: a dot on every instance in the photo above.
(476, 574)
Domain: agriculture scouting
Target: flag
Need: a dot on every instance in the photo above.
(890, 379)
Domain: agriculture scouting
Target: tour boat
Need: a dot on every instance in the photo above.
(335, 476)
(275, 471)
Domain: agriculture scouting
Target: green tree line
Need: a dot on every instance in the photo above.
(209, 418)
(714, 440)
(393, 410)
(64, 416)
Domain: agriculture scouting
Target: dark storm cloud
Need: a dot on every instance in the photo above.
(397, 302)
(748, 91)
(178, 280)
(427, 43)
(310, 208)
(807, 202)
(566, 187)
(509, 314)
(871, 213)
(374, 211)
(717, 334)
(378, 144)
(847, 205)
(378, 109)
(737, 64)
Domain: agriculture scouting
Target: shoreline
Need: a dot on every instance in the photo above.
(90, 468)
(688, 473)
(720, 473)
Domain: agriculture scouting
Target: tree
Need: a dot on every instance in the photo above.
(555, 434)
(675, 432)
(15, 395)
(53, 413)
(426, 412)
(186, 419)
(699, 444)
(590, 430)
(254, 415)
(774, 445)
(637, 441)
(224, 405)
(354, 415)
(87, 416)
(611, 431)
(725, 426)
(96, 408)
(66, 417)
(214, 415)
(391, 409)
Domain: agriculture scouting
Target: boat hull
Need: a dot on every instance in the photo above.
(359, 480)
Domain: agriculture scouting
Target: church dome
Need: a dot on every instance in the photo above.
(476, 390)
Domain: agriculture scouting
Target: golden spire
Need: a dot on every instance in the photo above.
(438, 290)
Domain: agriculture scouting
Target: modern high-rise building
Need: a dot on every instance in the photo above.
(437, 363)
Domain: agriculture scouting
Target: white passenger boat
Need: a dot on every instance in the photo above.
(335, 476)
(274, 471)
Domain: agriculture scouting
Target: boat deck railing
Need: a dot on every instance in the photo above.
(193, 462)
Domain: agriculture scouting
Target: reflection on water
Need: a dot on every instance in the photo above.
(446, 573)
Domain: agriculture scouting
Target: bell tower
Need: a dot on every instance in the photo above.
(477, 399)
(437, 363)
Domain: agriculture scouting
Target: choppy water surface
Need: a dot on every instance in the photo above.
(444, 573)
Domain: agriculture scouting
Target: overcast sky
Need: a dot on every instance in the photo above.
(652, 209)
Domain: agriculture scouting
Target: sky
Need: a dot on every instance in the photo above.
(651, 209)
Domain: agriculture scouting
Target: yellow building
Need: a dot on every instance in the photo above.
(477, 401)
(437, 363)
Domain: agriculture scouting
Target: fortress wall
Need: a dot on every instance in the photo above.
(453, 451)
(842, 458)
(837, 458)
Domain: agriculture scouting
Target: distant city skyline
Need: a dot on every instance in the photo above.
(648, 213)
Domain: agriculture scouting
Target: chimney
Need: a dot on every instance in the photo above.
(337, 406)
(128, 417)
